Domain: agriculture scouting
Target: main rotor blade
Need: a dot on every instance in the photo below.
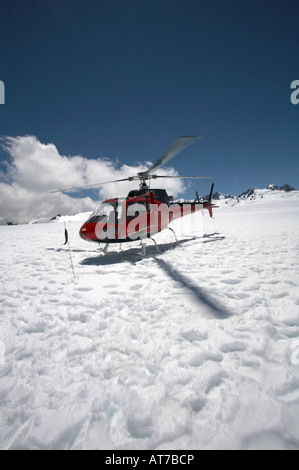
(195, 177)
(177, 146)
(131, 178)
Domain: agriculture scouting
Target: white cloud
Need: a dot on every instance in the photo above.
(35, 169)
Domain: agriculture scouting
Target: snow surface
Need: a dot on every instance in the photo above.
(193, 348)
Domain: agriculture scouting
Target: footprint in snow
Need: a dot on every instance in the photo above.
(135, 286)
(233, 347)
(84, 288)
(231, 281)
(193, 335)
(199, 359)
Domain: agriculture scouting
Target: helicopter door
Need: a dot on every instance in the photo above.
(136, 219)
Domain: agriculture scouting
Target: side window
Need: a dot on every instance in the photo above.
(135, 209)
(119, 211)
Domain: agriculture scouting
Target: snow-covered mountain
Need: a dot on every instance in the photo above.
(62, 218)
(252, 194)
(271, 193)
(5, 222)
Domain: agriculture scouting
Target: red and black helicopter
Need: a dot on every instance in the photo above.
(145, 211)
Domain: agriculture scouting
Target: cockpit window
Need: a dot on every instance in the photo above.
(106, 212)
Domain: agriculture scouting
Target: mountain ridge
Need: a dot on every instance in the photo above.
(252, 191)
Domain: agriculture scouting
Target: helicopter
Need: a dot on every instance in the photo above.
(145, 211)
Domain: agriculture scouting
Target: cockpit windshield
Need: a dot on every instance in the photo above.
(106, 212)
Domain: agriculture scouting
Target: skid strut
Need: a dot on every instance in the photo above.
(173, 234)
(143, 246)
(105, 248)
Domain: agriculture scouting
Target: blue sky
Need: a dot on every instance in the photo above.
(122, 78)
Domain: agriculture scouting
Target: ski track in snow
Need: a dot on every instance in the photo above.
(193, 348)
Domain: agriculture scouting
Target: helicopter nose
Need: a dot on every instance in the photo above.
(84, 231)
(82, 235)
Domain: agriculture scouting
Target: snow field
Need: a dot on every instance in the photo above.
(193, 348)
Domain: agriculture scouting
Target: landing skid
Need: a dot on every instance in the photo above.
(142, 244)
(105, 249)
(169, 228)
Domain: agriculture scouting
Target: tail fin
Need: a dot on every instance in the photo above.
(211, 194)
(208, 204)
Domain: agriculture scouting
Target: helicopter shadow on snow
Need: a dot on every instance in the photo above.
(133, 254)
(216, 309)
(212, 237)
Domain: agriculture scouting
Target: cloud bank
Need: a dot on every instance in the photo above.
(33, 169)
